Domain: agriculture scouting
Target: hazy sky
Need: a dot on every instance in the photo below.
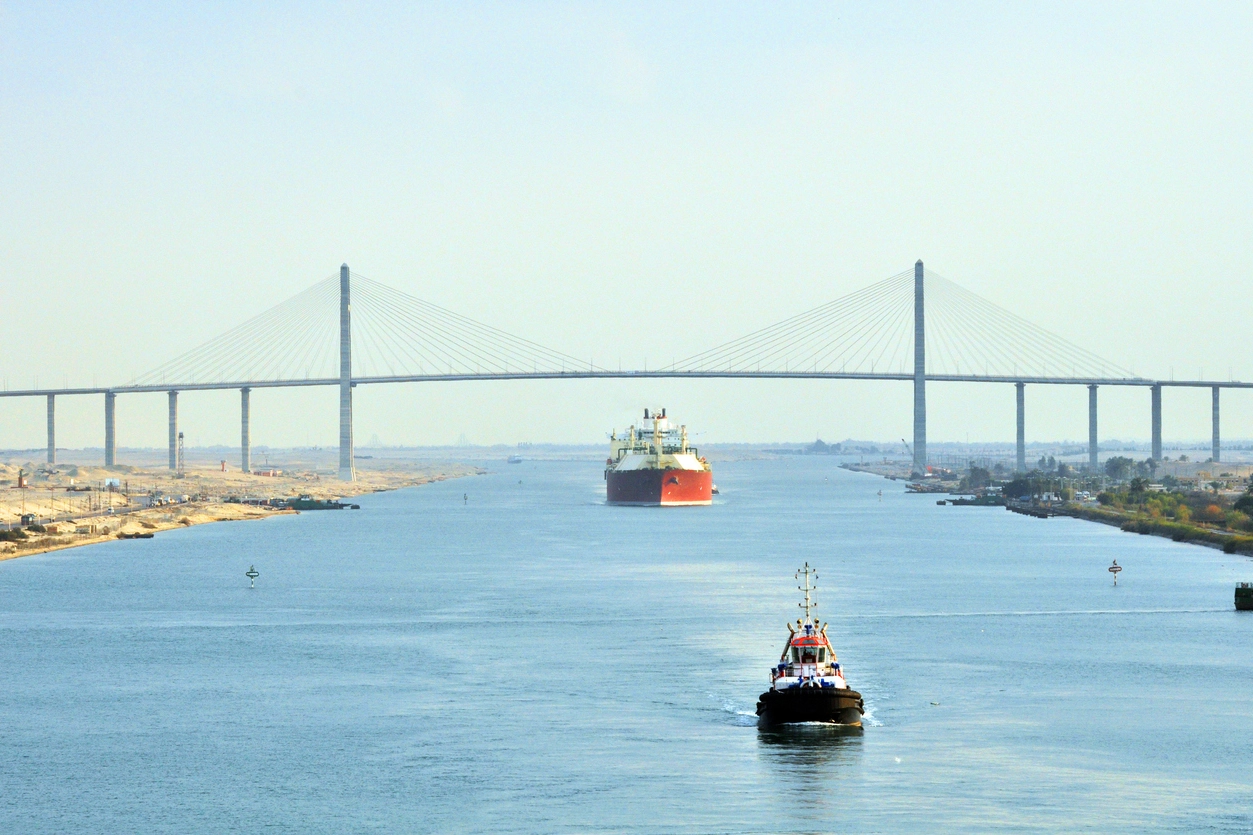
(623, 182)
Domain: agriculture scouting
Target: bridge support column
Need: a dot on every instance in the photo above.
(245, 432)
(1157, 422)
(173, 430)
(52, 428)
(110, 433)
(1214, 419)
(1092, 451)
(920, 374)
(347, 471)
(1021, 391)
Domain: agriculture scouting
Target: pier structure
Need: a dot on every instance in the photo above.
(1092, 445)
(1020, 390)
(245, 432)
(1217, 454)
(110, 429)
(52, 429)
(865, 335)
(1157, 421)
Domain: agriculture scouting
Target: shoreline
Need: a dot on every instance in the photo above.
(1225, 541)
(74, 530)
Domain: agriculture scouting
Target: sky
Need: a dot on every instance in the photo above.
(626, 182)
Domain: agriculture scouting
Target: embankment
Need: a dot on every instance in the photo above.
(1230, 543)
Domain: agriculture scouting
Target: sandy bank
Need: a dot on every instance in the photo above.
(85, 505)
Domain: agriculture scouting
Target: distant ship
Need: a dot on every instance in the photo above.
(514, 459)
(653, 465)
(807, 685)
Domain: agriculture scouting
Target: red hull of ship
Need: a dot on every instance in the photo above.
(659, 487)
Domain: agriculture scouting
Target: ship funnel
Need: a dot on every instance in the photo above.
(663, 412)
(645, 414)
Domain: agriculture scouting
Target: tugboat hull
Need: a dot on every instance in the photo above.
(829, 705)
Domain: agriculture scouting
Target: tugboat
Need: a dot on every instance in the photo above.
(1244, 597)
(807, 685)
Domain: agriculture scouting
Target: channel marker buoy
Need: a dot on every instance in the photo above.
(252, 574)
(1114, 569)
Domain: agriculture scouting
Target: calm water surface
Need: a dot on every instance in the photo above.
(534, 661)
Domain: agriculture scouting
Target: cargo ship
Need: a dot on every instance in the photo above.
(652, 465)
(808, 685)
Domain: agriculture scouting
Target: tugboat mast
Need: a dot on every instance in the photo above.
(808, 604)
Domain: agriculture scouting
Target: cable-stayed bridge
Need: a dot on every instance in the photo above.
(349, 330)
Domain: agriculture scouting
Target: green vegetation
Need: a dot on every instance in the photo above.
(977, 479)
(1120, 468)
(1133, 502)
(14, 535)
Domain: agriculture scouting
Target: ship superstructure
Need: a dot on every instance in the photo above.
(652, 464)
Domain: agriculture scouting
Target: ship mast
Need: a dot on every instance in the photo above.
(807, 588)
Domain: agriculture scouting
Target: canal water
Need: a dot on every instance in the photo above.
(507, 654)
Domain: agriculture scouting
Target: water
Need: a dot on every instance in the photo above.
(534, 661)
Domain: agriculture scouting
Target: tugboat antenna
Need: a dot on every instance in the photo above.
(808, 604)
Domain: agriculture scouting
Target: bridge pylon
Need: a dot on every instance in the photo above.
(347, 472)
(920, 374)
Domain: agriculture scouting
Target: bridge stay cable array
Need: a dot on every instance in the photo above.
(969, 335)
(295, 339)
(393, 335)
(871, 332)
(868, 332)
(400, 335)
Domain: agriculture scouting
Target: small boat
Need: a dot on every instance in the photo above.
(979, 500)
(807, 685)
(514, 459)
(1244, 597)
(307, 502)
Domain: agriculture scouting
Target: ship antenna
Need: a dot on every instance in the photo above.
(807, 588)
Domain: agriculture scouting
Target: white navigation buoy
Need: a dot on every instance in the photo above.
(1114, 569)
(252, 574)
